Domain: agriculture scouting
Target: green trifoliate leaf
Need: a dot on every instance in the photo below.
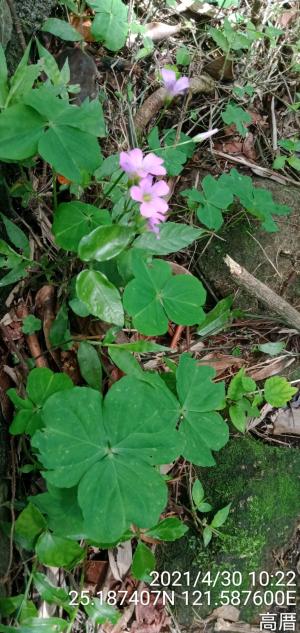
(110, 24)
(117, 445)
(100, 296)
(278, 391)
(202, 428)
(210, 202)
(143, 562)
(104, 243)
(73, 220)
(31, 324)
(154, 296)
(41, 383)
(239, 385)
(238, 116)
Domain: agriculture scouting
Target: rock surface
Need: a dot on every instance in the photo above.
(262, 483)
(31, 14)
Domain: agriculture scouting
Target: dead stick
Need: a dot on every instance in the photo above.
(32, 339)
(263, 293)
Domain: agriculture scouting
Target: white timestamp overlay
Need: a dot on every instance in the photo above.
(209, 589)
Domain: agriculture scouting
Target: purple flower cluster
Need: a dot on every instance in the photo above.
(141, 170)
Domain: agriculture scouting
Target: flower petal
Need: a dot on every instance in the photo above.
(160, 205)
(181, 85)
(136, 193)
(154, 165)
(160, 188)
(169, 78)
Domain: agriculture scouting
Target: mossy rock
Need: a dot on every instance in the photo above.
(262, 483)
(31, 14)
(281, 248)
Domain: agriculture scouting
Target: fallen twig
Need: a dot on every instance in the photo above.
(263, 293)
(32, 339)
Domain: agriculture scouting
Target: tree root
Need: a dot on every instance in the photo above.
(154, 103)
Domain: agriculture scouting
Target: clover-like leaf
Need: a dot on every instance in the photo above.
(202, 428)
(278, 391)
(214, 198)
(110, 24)
(154, 296)
(238, 116)
(41, 383)
(109, 451)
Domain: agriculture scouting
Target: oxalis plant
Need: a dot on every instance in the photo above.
(100, 451)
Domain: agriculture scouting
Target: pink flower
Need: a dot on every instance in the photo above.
(172, 85)
(153, 207)
(137, 166)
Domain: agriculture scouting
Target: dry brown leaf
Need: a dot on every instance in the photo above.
(220, 68)
(83, 26)
(270, 367)
(221, 362)
(158, 31)
(286, 421)
(287, 17)
(248, 147)
(95, 571)
(231, 147)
